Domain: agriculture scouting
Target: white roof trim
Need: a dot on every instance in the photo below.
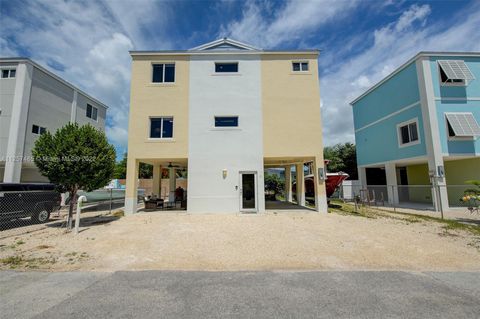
(456, 70)
(463, 124)
(215, 43)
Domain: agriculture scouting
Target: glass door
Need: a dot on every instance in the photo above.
(248, 192)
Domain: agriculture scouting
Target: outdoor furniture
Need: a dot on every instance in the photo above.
(153, 203)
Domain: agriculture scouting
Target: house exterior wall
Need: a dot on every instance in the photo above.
(211, 149)
(149, 99)
(377, 115)
(457, 99)
(7, 91)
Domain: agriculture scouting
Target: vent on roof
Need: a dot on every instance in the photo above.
(462, 125)
(455, 71)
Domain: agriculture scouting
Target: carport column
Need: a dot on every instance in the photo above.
(156, 180)
(131, 186)
(288, 183)
(320, 191)
(362, 177)
(431, 130)
(392, 188)
(172, 185)
(300, 185)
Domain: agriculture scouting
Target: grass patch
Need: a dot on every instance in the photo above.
(118, 213)
(341, 208)
(19, 261)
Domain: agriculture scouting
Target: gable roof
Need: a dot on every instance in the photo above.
(225, 44)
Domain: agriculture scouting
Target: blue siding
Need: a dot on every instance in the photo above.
(399, 91)
(444, 103)
(379, 143)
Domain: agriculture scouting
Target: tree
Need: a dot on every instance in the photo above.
(75, 157)
(274, 184)
(145, 170)
(343, 158)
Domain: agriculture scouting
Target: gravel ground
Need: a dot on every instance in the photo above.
(274, 241)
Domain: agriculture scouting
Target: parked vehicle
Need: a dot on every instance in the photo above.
(19, 200)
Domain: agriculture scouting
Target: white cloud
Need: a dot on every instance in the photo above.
(393, 45)
(290, 24)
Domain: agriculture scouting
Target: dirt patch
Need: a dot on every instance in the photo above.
(286, 240)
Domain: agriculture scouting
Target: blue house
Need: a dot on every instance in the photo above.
(420, 125)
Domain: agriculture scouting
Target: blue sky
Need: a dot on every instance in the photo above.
(87, 42)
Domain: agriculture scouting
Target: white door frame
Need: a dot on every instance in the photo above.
(255, 181)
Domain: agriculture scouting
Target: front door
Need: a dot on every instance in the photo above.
(248, 191)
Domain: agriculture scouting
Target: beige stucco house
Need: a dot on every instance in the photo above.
(224, 112)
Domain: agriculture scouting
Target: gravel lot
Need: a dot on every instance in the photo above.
(274, 241)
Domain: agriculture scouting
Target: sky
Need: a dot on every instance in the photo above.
(87, 42)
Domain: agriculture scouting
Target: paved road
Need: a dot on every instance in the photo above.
(169, 294)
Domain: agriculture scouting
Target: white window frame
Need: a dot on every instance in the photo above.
(39, 129)
(86, 112)
(163, 75)
(457, 138)
(301, 68)
(399, 133)
(9, 73)
(162, 117)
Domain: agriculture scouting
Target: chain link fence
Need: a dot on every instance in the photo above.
(416, 197)
(33, 210)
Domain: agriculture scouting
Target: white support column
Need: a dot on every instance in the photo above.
(362, 176)
(288, 183)
(300, 185)
(172, 184)
(431, 130)
(156, 180)
(131, 186)
(392, 188)
(73, 111)
(18, 123)
(321, 204)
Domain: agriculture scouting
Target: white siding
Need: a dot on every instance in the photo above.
(212, 150)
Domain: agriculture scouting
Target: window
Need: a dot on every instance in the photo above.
(226, 67)
(462, 125)
(226, 121)
(408, 133)
(163, 73)
(38, 129)
(300, 66)
(161, 127)
(92, 112)
(8, 73)
(454, 72)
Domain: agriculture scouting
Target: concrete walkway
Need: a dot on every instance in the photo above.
(157, 294)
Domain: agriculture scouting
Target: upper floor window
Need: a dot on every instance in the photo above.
(163, 73)
(161, 127)
(226, 67)
(454, 72)
(226, 121)
(408, 133)
(38, 129)
(8, 73)
(299, 66)
(462, 125)
(92, 112)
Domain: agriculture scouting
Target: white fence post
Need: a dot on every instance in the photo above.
(80, 200)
